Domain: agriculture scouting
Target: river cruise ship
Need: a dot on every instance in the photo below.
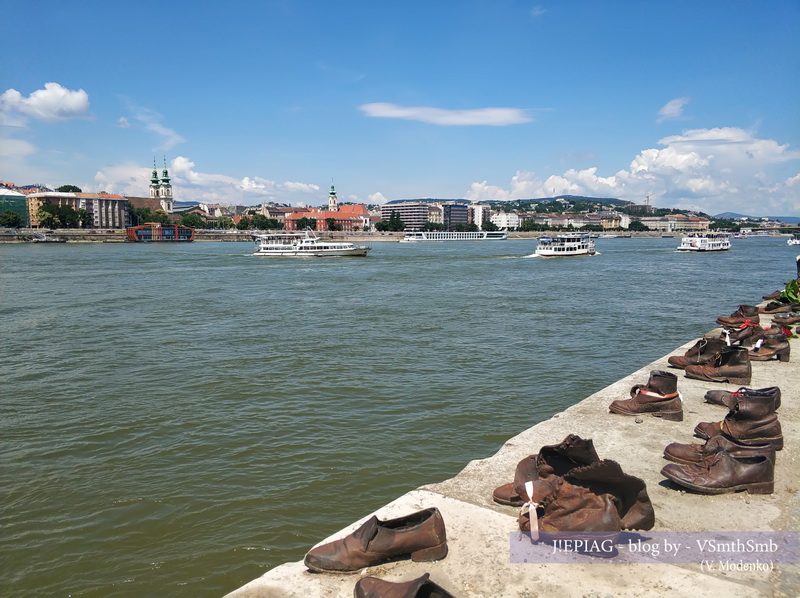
(304, 244)
(438, 235)
(705, 242)
(565, 245)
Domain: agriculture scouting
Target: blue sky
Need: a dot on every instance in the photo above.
(695, 103)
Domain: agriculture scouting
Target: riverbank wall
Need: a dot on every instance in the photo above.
(29, 235)
(480, 532)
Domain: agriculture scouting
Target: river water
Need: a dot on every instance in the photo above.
(177, 419)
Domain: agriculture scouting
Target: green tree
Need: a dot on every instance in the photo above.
(261, 222)
(192, 220)
(48, 216)
(245, 223)
(9, 219)
(225, 223)
(638, 225)
(381, 226)
(395, 223)
(431, 226)
(490, 226)
(69, 189)
(139, 215)
(68, 216)
(161, 216)
(304, 223)
(332, 225)
(84, 218)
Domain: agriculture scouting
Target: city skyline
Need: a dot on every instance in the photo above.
(692, 103)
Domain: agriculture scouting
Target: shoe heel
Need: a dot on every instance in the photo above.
(761, 488)
(783, 355)
(434, 553)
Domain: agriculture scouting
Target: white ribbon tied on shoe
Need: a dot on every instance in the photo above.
(531, 506)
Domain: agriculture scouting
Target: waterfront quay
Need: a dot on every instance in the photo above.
(480, 532)
(109, 235)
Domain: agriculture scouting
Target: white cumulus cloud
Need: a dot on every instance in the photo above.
(192, 184)
(672, 110)
(54, 103)
(712, 170)
(497, 117)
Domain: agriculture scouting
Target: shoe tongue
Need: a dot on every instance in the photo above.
(367, 532)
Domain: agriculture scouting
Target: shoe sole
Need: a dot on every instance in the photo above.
(434, 553)
(738, 381)
(754, 488)
(673, 416)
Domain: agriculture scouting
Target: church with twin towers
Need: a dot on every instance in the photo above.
(161, 188)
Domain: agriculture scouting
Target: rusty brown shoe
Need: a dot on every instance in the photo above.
(421, 587)
(659, 398)
(745, 315)
(554, 459)
(725, 473)
(771, 394)
(692, 454)
(776, 307)
(771, 348)
(731, 365)
(420, 535)
(702, 351)
(749, 422)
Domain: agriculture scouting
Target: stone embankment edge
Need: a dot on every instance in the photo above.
(118, 236)
(478, 563)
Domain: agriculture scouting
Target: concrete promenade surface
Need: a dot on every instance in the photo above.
(479, 530)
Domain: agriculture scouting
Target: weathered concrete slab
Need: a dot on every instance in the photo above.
(479, 565)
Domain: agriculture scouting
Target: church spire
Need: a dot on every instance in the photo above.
(154, 181)
(333, 202)
(164, 173)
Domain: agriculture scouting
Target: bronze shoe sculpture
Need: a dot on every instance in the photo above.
(659, 398)
(745, 334)
(725, 472)
(420, 535)
(732, 365)
(554, 459)
(776, 307)
(703, 350)
(746, 314)
(727, 398)
(692, 454)
(595, 497)
(749, 422)
(421, 587)
(771, 348)
(786, 319)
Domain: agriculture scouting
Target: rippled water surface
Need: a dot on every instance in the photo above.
(177, 419)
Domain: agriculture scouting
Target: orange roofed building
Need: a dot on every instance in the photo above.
(347, 217)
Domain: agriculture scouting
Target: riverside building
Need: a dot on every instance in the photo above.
(106, 210)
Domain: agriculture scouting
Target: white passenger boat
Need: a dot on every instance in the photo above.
(304, 244)
(566, 244)
(795, 240)
(439, 235)
(705, 242)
